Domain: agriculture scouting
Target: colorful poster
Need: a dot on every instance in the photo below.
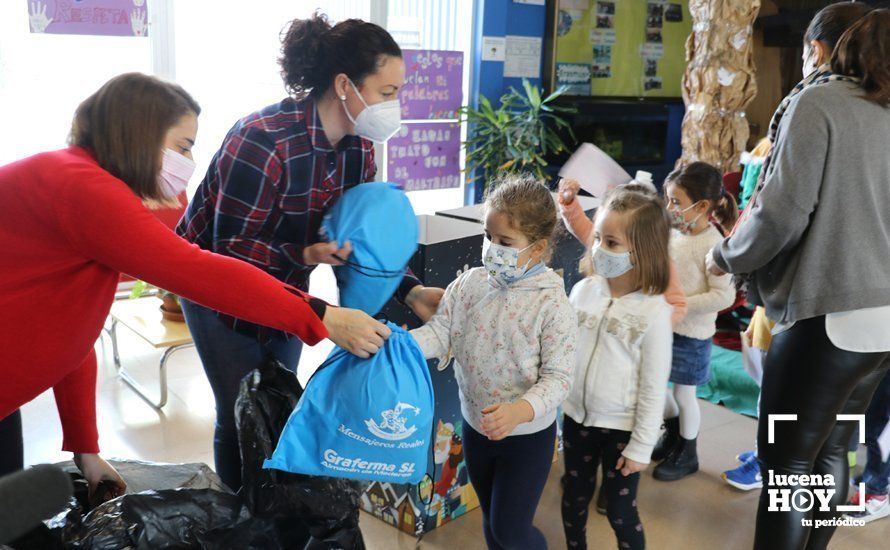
(575, 77)
(634, 48)
(433, 84)
(90, 17)
(425, 155)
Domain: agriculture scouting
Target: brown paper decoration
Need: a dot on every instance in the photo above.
(719, 81)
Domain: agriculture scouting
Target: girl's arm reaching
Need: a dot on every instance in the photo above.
(434, 337)
(676, 297)
(655, 370)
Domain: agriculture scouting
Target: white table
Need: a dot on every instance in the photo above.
(144, 318)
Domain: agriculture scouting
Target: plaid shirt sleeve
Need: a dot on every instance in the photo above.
(249, 172)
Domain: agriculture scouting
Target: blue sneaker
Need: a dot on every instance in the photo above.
(746, 477)
(746, 456)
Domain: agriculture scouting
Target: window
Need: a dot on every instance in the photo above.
(233, 70)
(225, 57)
(43, 78)
(433, 26)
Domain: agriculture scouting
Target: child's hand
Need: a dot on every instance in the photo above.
(501, 419)
(712, 266)
(424, 301)
(628, 466)
(568, 190)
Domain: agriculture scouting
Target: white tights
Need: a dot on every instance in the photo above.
(681, 401)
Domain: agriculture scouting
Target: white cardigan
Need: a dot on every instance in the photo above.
(622, 363)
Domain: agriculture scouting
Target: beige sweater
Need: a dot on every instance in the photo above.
(706, 294)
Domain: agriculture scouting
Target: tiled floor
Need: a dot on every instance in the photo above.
(700, 512)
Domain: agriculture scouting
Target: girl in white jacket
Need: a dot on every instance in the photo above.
(623, 360)
(512, 332)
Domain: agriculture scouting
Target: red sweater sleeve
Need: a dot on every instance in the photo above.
(76, 401)
(106, 222)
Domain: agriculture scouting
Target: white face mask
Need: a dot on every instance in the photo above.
(176, 171)
(611, 264)
(502, 262)
(377, 122)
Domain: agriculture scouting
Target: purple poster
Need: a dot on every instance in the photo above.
(94, 17)
(433, 84)
(425, 155)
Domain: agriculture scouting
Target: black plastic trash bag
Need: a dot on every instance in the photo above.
(327, 508)
(68, 525)
(177, 518)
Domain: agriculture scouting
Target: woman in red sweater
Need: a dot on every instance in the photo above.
(73, 220)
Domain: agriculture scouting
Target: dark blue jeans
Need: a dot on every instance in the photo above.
(509, 477)
(877, 471)
(228, 357)
(12, 453)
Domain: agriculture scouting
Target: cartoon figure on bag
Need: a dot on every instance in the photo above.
(394, 426)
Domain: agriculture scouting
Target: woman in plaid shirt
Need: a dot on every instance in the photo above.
(269, 185)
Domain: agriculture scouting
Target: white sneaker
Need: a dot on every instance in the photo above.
(876, 507)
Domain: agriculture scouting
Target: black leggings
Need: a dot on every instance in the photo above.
(584, 449)
(805, 374)
(12, 453)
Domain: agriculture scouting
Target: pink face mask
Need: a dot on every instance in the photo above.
(176, 171)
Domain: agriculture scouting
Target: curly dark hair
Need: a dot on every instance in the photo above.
(313, 52)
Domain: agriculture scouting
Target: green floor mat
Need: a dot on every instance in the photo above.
(730, 385)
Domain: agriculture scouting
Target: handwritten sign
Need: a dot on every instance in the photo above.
(433, 84)
(91, 17)
(425, 155)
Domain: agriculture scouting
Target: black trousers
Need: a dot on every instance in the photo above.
(584, 449)
(12, 453)
(805, 374)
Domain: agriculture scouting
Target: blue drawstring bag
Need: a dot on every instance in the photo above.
(378, 220)
(368, 419)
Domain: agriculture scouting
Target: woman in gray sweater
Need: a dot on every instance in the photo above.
(816, 248)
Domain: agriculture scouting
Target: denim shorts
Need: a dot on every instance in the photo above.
(691, 364)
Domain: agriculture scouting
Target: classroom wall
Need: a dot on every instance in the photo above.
(502, 18)
(507, 17)
(499, 18)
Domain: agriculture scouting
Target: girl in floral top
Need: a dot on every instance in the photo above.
(512, 332)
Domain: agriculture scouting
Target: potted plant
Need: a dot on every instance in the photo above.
(170, 306)
(518, 135)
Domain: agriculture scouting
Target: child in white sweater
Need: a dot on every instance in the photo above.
(512, 331)
(696, 197)
(614, 409)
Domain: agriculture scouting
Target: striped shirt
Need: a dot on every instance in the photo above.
(267, 189)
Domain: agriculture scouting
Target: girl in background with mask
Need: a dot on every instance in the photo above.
(75, 219)
(695, 197)
(269, 185)
(512, 332)
(614, 410)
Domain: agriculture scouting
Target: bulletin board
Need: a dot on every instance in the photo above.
(618, 48)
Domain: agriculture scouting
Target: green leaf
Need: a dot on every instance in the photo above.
(139, 288)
